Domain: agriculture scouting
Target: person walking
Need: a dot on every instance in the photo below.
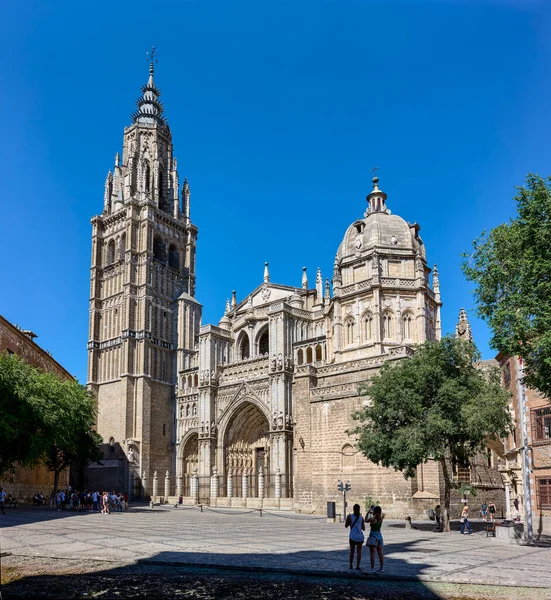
(2, 499)
(492, 509)
(465, 521)
(484, 510)
(356, 538)
(375, 539)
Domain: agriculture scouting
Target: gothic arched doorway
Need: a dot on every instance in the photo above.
(246, 447)
(188, 460)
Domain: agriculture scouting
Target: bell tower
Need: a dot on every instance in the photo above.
(143, 260)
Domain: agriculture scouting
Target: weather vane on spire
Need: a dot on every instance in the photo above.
(374, 171)
(152, 56)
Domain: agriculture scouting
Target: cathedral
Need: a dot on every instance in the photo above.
(254, 409)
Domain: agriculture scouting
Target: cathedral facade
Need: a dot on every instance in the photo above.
(256, 407)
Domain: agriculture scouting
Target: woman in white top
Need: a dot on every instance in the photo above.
(357, 526)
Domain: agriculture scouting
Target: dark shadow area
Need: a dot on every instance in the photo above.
(216, 576)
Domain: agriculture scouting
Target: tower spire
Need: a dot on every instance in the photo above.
(266, 273)
(150, 108)
(377, 198)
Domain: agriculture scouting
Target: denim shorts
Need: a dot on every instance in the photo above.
(375, 539)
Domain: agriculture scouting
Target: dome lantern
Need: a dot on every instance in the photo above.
(376, 200)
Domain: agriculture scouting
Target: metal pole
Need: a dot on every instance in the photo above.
(521, 390)
(344, 504)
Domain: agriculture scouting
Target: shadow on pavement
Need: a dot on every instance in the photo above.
(217, 575)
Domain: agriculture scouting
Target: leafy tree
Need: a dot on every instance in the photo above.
(435, 405)
(511, 269)
(44, 418)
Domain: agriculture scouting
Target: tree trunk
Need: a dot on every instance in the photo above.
(447, 496)
(56, 479)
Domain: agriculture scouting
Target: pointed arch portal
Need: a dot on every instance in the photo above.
(246, 446)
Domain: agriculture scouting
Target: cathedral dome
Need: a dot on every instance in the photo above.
(381, 230)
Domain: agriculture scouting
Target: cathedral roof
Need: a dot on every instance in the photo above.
(379, 229)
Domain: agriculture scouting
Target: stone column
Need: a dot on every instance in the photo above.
(179, 485)
(155, 485)
(278, 483)
(167, 485)
(245, 484)
(194, 485)
(229, 491)
(261, 483)
(214, 486)
(144, 483)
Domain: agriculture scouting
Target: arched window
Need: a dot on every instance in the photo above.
(348, 455)
(189, 381)
(122, 248)
(173, 257)
(309, 355)
(111, 252)
(244, 347)
(147, 176)
(264, 343)
(300, 357)
(406, 326)
(349, 331)
(159, 249)
(160, 186)
(368, 327)
(387, 325)
(195, 382)
(318, 353)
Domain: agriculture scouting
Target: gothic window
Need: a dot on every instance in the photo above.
(318, 353)
(147, 176)
(300, 357)
(309, 355)
(122, 247)
(264, 343)
(348, 455)
(349, 331)
(244, 347)
(195, 382)
(368, 327)
(111, 252)
(406, 326)
(173, 257)
(387, 325)
(159, 249)
(160, 184)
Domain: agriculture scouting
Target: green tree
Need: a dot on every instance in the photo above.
(511, 269)
(44, 418)
(435, 405)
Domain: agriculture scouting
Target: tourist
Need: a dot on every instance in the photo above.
(484, 511)
(74, 499)
(106, 510)
(375, 539)
(2, 499)
(465, 521)
(492, 509)
(437, 516)
(125, 498)
(356, 538)
(95, 501)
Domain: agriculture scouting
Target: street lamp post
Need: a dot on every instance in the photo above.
(344, 487)
(521, 392)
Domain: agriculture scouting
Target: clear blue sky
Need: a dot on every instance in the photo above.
(278, 111)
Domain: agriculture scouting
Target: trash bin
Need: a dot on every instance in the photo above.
(331, 510)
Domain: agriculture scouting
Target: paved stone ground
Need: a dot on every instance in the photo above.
(277, 542)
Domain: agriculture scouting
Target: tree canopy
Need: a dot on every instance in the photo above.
(43, 415)
(511, 269)
(435, 405)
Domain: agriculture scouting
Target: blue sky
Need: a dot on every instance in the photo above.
(278, 112)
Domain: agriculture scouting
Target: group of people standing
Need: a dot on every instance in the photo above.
(89, 501)
(374, 518)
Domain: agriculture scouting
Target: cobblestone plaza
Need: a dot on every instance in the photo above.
(276, 542)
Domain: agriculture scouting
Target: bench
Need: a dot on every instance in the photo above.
(491, 529)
